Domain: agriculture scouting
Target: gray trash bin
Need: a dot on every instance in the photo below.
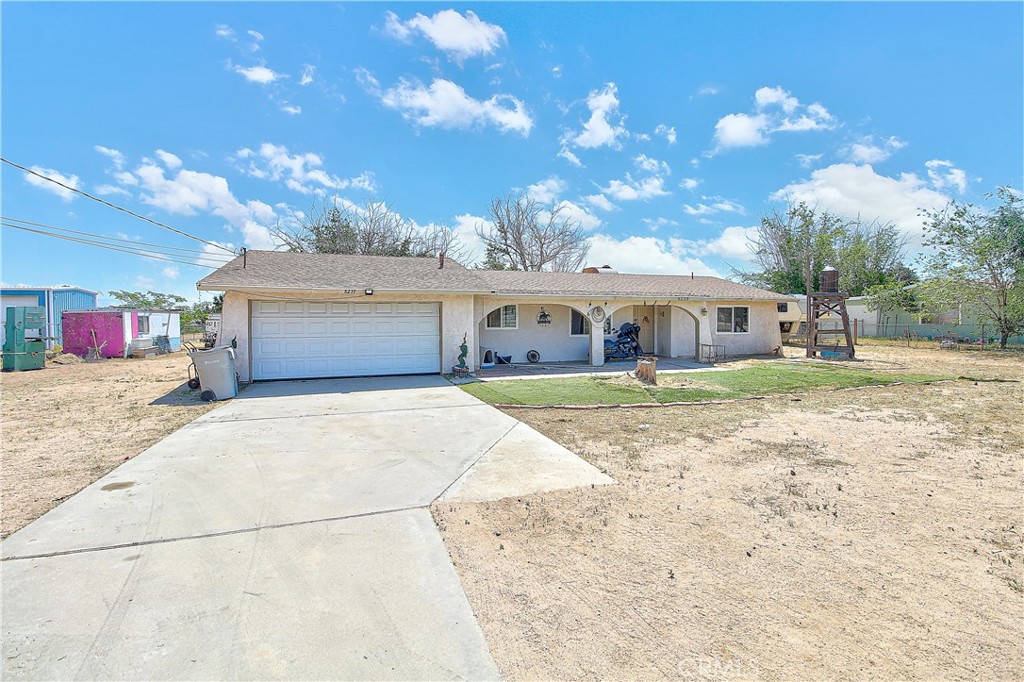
(216, 370)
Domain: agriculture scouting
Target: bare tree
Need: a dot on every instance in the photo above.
(526, 235)
(373, 229)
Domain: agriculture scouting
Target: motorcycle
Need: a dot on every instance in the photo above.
(625, 345)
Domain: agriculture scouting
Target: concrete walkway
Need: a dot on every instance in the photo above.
(283, 535)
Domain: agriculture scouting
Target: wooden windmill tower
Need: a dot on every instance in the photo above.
(828, 301)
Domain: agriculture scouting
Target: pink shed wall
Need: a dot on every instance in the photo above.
(135, 324)
(108, 325)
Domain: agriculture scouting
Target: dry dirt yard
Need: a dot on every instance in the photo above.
(860, 534)
(64, 426)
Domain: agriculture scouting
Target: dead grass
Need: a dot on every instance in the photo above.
(67, 425)
(869, 534)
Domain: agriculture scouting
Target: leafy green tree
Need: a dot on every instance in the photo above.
(149, 300)
(977, 261)
(791, 249)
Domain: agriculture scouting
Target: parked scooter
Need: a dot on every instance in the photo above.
(626, 343)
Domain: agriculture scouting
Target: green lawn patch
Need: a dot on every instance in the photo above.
(692, 387)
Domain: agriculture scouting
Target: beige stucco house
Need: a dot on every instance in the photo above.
(298, 315)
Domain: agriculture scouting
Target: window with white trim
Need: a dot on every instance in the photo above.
(143, 324)
(505, 317)
(579, 325)
(733, 319)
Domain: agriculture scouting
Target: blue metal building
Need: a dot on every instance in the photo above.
(56, 300)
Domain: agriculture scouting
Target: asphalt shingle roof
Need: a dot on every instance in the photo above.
(286, 270)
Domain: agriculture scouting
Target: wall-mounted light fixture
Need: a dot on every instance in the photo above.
(703, 309)
(368, 292)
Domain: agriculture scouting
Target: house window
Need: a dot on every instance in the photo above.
(505, 317)
(579, 325)
(782, 306)
(143, 324)
(608, 325)
(733, 319)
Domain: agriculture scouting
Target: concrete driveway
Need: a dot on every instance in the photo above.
(285, 534)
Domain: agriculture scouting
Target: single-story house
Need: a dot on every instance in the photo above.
(55, 299)
(300, 315)
(119, 330)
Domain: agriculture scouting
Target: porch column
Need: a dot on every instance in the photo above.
(596, 345)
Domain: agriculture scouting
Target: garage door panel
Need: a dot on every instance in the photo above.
(309, 339)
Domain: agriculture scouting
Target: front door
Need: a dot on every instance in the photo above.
(643, 316)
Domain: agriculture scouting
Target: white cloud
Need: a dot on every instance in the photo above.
(707, 90)
(465, 229)
(255, 35)
(546, 191)
(646, 163)
(446, 105)
(556, 71)
(717, 205)
(808, 160)
(170, 272)
(944, 174)
(741, 130)
(600, 201)
(302, 173)
(733, 242)
(587, 220)
(69, 180)
(766, 97)
(868, 151)
(292, 109)
(107, 190)
(605, 126)
(126, 178)
(666, 132)
(689, 183)
(566, 154)
(857, 190)
(307, 74)
(259, 74)
(189, 192)
(654, 224)
(144, 282)
(168, 159)
(644, 255)
(116, 157)
(225, 31)
(459, 36)
(776, 110)
(630, 189)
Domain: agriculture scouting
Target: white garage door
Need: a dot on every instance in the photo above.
(309, 339)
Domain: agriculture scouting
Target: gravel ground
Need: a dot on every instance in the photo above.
(861, 534)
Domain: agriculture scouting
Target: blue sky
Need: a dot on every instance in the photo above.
(666, 129)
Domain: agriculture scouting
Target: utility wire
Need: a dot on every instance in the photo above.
(113, 239)
(115, 206)
(155, 255)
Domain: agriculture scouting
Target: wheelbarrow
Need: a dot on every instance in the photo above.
(193, 373)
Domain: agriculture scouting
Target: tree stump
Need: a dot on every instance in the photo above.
(646, 370)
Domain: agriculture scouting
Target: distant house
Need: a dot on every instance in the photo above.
(55, 299)
(302, 315)
(117, 330)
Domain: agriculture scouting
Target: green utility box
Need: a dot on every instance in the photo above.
(21, 352)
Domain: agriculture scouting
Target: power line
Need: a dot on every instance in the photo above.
(115, 206)
(113, 239)
(145, 253)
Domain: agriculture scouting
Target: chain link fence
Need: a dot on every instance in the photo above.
(981, 336)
